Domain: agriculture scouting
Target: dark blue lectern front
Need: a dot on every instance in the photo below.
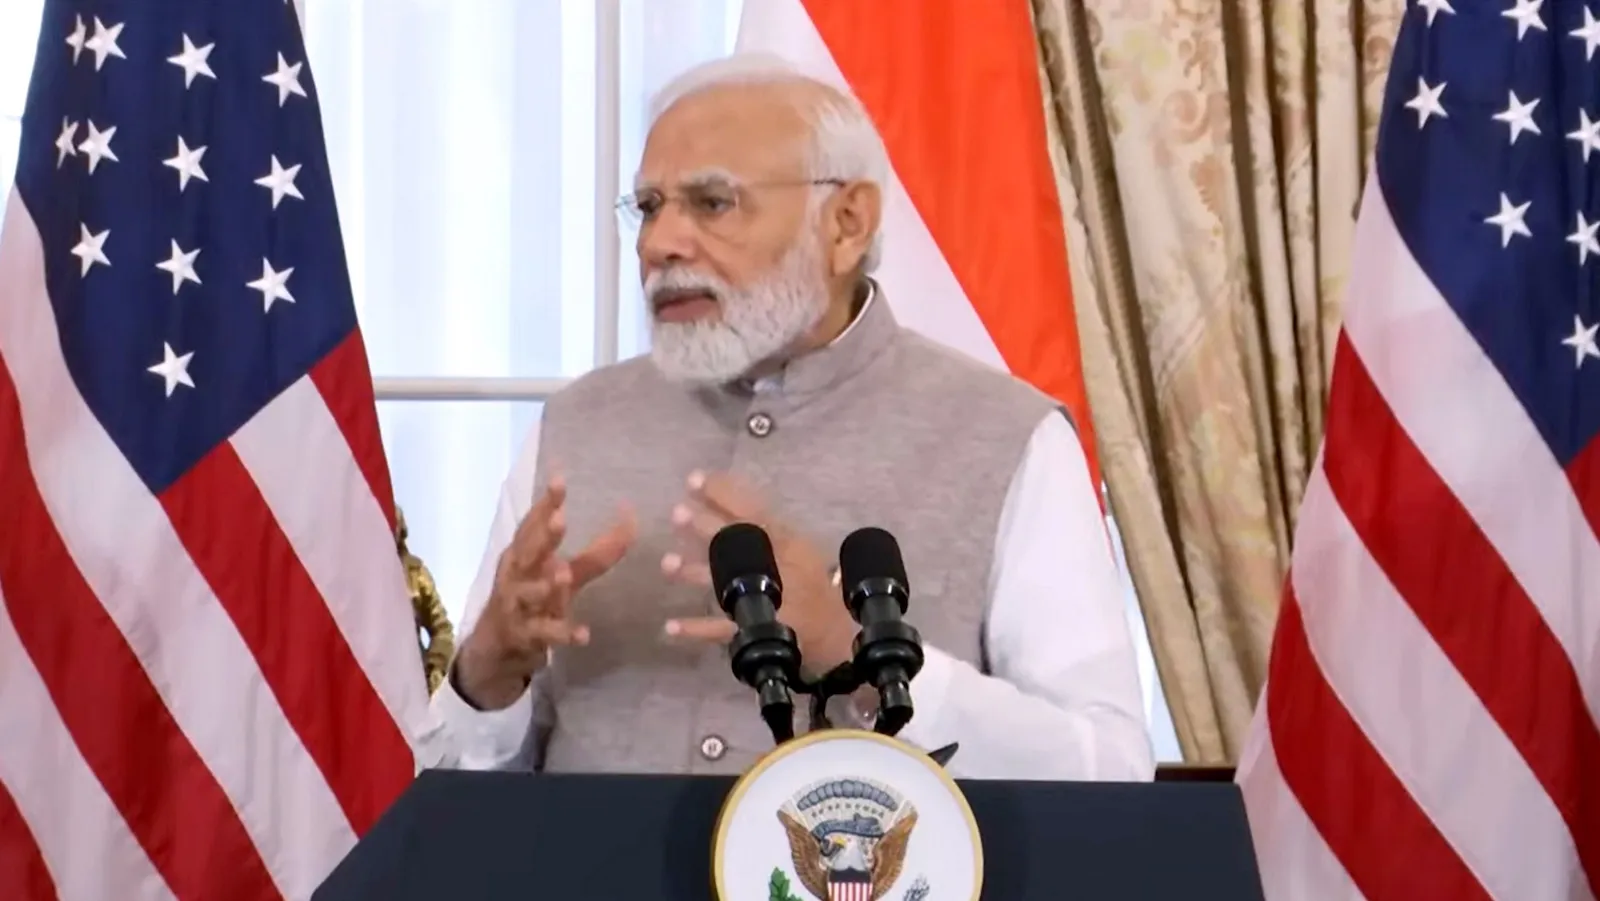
(469, 836)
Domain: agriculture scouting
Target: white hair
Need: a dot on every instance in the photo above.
(845, 144)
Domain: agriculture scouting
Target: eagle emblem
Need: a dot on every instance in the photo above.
(848, 839)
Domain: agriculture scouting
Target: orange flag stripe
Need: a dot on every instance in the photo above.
(954, 87)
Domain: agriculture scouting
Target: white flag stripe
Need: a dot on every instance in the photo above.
(917, 278)
(70, 815)
(1293, 859)
(1443, 389)
(301, 463)
(1457, 763)
(204, 672)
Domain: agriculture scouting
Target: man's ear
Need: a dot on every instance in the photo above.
(855, 212)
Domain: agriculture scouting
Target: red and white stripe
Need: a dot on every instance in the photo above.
(1429, 729)
(975, 251)
(849, 891)
(207, 694)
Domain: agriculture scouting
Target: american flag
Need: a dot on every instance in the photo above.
(209, 669)
(1428, 728)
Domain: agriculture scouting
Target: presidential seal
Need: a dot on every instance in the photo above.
(846, 815)
(848, 837)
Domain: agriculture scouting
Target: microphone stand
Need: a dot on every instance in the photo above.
(765, 655)
(842, 681)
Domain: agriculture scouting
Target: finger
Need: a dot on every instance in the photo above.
(530, 598)
(538, 538)
(697, 520)
(606, 550)
(728, 495)
(688, 572)
(544, 609)
(538, 593)
(548, 502)
(559, 603)
(703, 628)
(558, 631)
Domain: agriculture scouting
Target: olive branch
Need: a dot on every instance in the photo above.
(778, 887)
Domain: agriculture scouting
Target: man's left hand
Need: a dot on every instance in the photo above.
(811, 605)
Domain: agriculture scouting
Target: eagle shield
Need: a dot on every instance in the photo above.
(848, 838)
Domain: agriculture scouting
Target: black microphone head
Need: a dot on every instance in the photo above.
(870, 554)
(741, 559)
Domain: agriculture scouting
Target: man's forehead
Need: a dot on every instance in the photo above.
(733, 132)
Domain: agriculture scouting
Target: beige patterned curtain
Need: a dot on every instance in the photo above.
(1211, 155)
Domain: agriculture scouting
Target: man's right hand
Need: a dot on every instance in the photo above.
(529, 609)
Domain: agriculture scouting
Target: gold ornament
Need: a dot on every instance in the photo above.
(434, 633)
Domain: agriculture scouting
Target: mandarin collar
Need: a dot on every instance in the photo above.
(862, 341)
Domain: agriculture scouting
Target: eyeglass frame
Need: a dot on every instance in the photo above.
(634, 217)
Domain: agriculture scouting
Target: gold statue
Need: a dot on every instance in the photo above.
(432, 621)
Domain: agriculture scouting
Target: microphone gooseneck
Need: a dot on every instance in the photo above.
(888, 651)
(765, 653)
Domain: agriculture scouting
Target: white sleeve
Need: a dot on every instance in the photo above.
(475, 739)
(1063, 700)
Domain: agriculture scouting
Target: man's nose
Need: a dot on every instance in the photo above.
(668, 238)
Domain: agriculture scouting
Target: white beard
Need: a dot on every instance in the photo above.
(757, 323)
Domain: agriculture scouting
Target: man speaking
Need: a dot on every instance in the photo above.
(779, 390)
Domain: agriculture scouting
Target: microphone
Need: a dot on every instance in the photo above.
(888, 651)
(765, 653)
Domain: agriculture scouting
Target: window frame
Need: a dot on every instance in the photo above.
(608, 288)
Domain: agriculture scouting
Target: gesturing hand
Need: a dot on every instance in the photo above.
(529, 609)
(811, 605)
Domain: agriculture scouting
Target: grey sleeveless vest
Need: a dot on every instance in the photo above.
(883, 428)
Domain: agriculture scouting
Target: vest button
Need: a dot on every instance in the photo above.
(760, 425)
(712, 747)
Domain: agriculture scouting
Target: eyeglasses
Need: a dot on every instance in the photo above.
(712, 203)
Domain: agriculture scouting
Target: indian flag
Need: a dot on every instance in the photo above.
(975, 252)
